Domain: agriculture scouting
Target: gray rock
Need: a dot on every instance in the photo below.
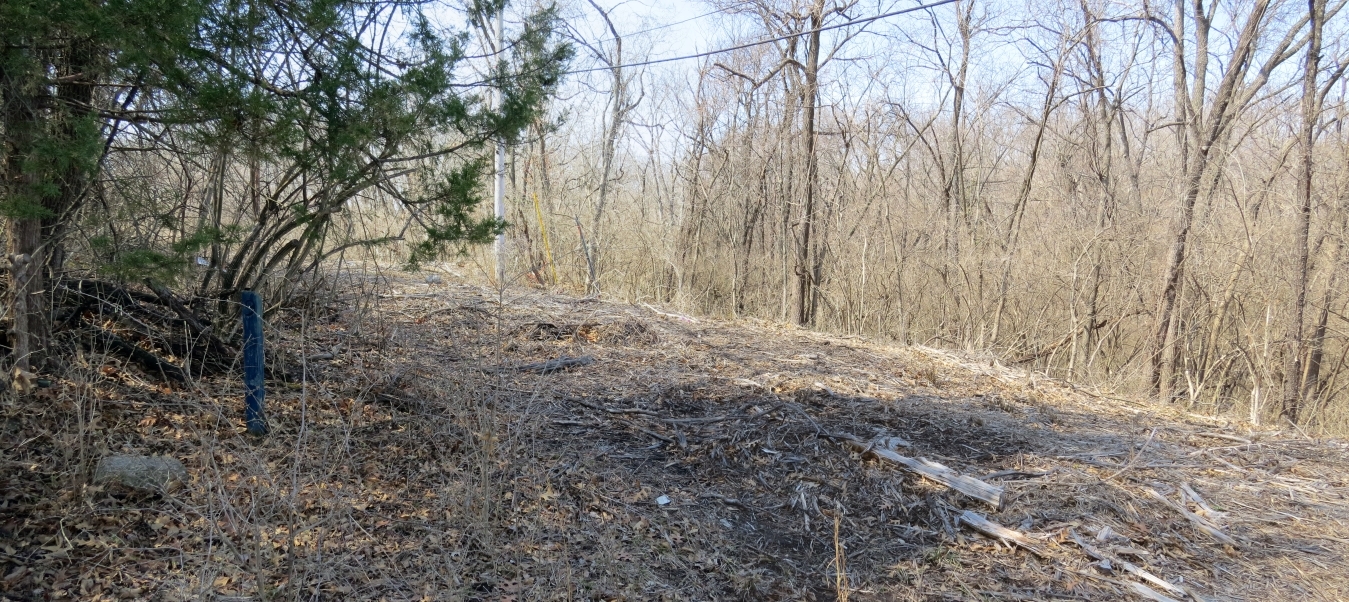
(433, 279)
(154, 473)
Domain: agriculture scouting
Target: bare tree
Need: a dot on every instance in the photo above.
(1202, 124)
(620, 105)
(1300, 371)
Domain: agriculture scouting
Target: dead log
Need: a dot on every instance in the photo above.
(555, 365)
(149, 362)
(970, 486)
(996, 531)
(216, 356)
(195, 323)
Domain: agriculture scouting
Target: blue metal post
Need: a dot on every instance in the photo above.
(255, 393)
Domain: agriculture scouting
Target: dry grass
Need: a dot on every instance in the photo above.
(419, 464)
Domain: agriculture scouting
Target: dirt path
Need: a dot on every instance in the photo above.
(434, 457)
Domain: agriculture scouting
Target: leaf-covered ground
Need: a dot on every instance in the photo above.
(430, 454)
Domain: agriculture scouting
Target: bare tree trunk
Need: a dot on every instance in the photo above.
(619, 108)
(1316, 345)
(1023, 194)
(39, 210)
(20, 124)
(1103, 151)
(805, 275)
(954, 201)
(1198, 134)
(1163, 358)
(955, 186)
(1311, 112)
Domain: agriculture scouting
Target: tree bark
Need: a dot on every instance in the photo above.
(1199, 132)
(618, 111)
(1311, 111)
(24, 224)
(805, 273)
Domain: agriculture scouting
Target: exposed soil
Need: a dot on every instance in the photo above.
(432, 454)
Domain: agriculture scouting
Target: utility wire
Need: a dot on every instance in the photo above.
(665, 26)
(635, 33)
(768, 41)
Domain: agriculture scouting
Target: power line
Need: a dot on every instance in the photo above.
(770, 40)
(665, 26)
(635, 33)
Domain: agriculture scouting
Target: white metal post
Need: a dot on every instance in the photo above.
(499, 190)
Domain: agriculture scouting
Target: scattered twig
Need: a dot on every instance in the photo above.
(1297, 428)
(729, 500)
(650, 432)
(1150, 594)
(606, 410)
(714, 419)
(1134, 457)
(1004, 474)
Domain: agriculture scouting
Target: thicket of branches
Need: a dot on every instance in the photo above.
(1147, 196)
(159, 158)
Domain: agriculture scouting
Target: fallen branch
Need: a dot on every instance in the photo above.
(1126, 565)
(645, 430)
(1004, 474)
(680, 317)
(595, 406)
(556, 365)
(166, 297)
(970, 486)
(1134, 457)
(714, 419)
(1150, 594)
(1226, 437)
(160, 320)
(1199, 522)
(216, 354)
(151, 363)
(1198, 500)
(996, 531)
